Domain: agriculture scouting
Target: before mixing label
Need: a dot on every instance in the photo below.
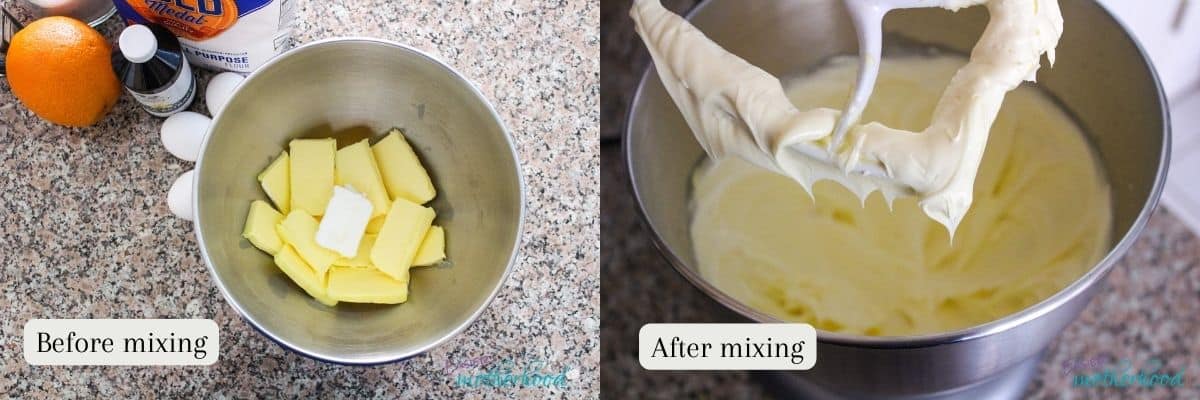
(121, 342)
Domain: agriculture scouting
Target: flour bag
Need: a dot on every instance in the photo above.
(221, 35)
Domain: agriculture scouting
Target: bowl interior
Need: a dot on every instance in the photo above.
(352, 89)
(1123, 117)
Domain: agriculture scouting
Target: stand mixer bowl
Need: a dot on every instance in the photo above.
(1101, 77)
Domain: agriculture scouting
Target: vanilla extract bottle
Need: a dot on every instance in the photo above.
(151, 66)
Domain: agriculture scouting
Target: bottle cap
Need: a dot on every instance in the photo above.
(137, 43)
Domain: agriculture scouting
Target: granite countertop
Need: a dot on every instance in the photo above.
(1150, 307)
(85, 231)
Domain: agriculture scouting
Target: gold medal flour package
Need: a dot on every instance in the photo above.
(223, 35)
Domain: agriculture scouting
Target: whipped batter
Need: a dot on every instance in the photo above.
(735, 108)
(1040, 219)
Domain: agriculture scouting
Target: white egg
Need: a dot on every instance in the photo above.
(220, 89)
(183, 134)
(179, 198)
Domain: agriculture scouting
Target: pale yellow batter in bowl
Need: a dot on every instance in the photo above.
(1041, 218)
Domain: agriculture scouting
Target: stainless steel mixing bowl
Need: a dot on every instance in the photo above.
(1101, 76)
(354, 88)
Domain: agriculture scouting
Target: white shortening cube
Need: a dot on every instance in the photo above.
(345, 221)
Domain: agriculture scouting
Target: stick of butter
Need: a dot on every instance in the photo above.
(401, 237)
(275, 180)
(300, 230)
(355, 166)
(312, 176)
(433, 247)
(260, 227)
(376, 223)
(312, 282)
(366, 285)
(345, 221)
(402, 171)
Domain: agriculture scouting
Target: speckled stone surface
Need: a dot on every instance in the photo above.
(1150, 307)
(85, 231)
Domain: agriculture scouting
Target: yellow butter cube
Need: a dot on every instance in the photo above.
(300, 272)
(375, 224)
(433, 247)
(275, 180)
(366, 285)
(260, 227)
(401, 236)
(312, 174)
(300, 230)
(363, 257)
(403, 174)
(355, 166)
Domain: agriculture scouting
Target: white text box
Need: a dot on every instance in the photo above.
(727, 346)
(121, 342)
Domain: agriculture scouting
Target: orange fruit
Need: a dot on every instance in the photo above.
(60, 69)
